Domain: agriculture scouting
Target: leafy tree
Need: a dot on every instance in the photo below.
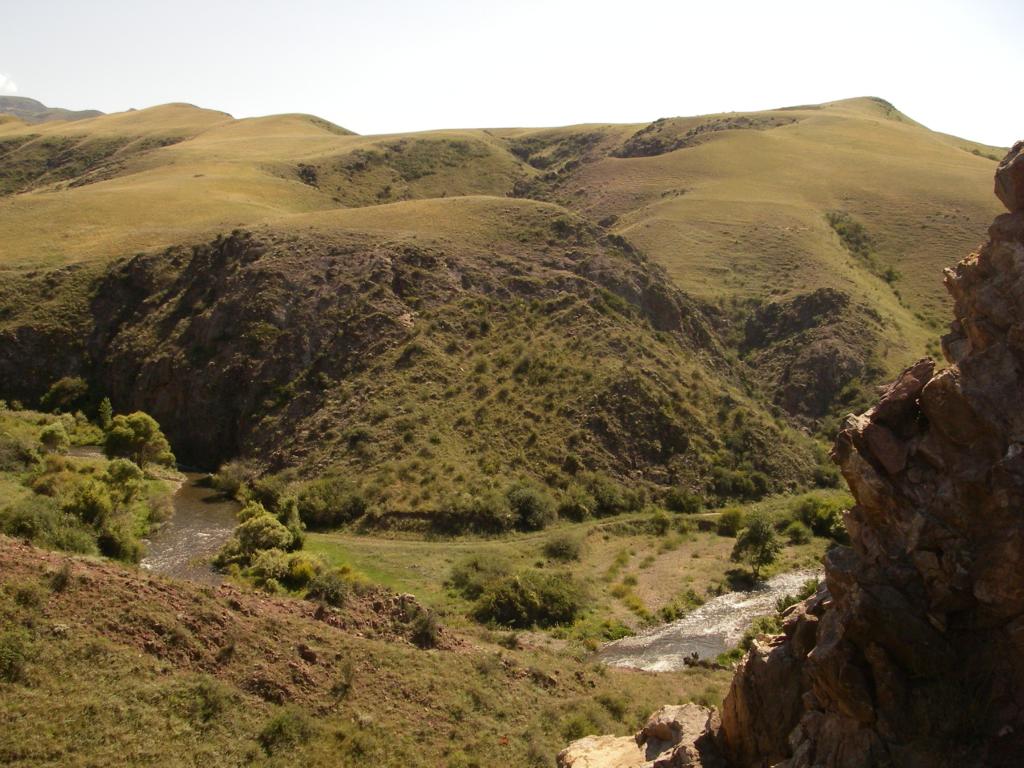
(137, 436)
(65, 394)
(757, 544)
(55, 438)
(106, 414)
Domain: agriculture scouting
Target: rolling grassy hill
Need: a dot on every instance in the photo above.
(801, 250)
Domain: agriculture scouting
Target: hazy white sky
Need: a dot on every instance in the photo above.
(400, 65)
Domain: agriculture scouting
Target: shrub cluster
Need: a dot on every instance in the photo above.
(530, 598)
(519, 599)
(823, 518)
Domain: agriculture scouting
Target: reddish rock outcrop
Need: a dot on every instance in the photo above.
(915, 657)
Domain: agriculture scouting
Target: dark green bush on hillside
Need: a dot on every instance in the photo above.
(563, 547)
(576, 503)
(530, 598)
(15, 455)
(65, 395)
(531, 505)
(333, 586)
(330, 502)
(680, 499)
(472, 575)
(39, 519)
(824, 518)
(54, 438)
(611, 497)
(739, 483)
(485, 512)
(730, 522)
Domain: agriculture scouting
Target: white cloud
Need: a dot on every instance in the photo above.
(7, 85)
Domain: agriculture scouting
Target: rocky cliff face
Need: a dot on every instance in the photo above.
(912, 653)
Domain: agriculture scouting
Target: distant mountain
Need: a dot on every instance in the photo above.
(32, 111)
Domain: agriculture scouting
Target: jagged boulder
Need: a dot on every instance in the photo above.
(673, 737)
(1010, 178)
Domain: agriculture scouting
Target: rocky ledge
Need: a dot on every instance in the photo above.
(912, 653)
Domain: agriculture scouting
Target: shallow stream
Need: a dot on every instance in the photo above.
(711, 629)
(185, 545)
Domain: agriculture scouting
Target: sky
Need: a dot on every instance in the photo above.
(399, 65)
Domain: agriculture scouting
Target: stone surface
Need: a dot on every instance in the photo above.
(673, 737)
(1010, 178)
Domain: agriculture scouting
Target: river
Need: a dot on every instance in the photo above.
(201, 521)
(711, 629)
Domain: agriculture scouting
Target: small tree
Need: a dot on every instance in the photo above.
(106, 414)
(138, 437)
(757, 545)
(54, 438)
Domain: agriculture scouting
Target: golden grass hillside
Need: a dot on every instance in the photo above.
(810, 239)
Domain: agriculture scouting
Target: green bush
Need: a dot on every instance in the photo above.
(231, 478)
(330, 502)
(659, 523)
(105, 414)
(39, 519)
(486, 512)
(739, 483)
(15, 455)
(269, 490)
(730, 521)
(797, 533)
(268, 564)
(824, 518)
(333, 586)
(530, 598)
(14, 650)
(611, 498)
(564, 547)
(205, 699)
(472, 575)
(577, 503)
(302, 569)
(65, 394)
(54, 438)
(680, 499)
(287, 729)
(116, 539)
(262, 531)
(531, 505)
(91, 503)
(426, 629)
